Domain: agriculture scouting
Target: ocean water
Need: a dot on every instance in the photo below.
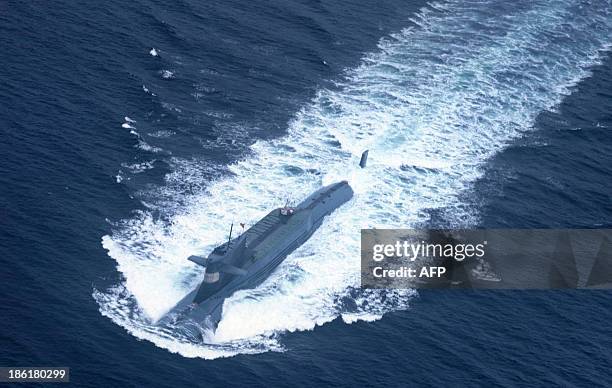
(135, 134)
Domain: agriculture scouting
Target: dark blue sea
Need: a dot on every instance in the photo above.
(134, 133)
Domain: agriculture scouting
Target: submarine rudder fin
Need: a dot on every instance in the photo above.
(364, 159)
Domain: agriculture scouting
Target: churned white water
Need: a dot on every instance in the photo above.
(432, 104)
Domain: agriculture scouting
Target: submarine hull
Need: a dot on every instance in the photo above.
(245, 262)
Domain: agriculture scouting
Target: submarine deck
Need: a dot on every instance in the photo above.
(263, 228)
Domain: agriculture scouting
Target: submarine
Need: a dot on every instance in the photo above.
(247, 260)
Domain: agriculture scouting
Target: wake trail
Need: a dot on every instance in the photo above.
(432, 104)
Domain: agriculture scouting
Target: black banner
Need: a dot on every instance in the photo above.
(486, 258)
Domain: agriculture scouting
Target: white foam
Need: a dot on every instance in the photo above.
(432, 105)
(143, 145)
(137, 168)
(153, 52)
(162, 133)
(166, 74)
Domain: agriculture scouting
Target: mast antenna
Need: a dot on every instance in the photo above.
(229, 238)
